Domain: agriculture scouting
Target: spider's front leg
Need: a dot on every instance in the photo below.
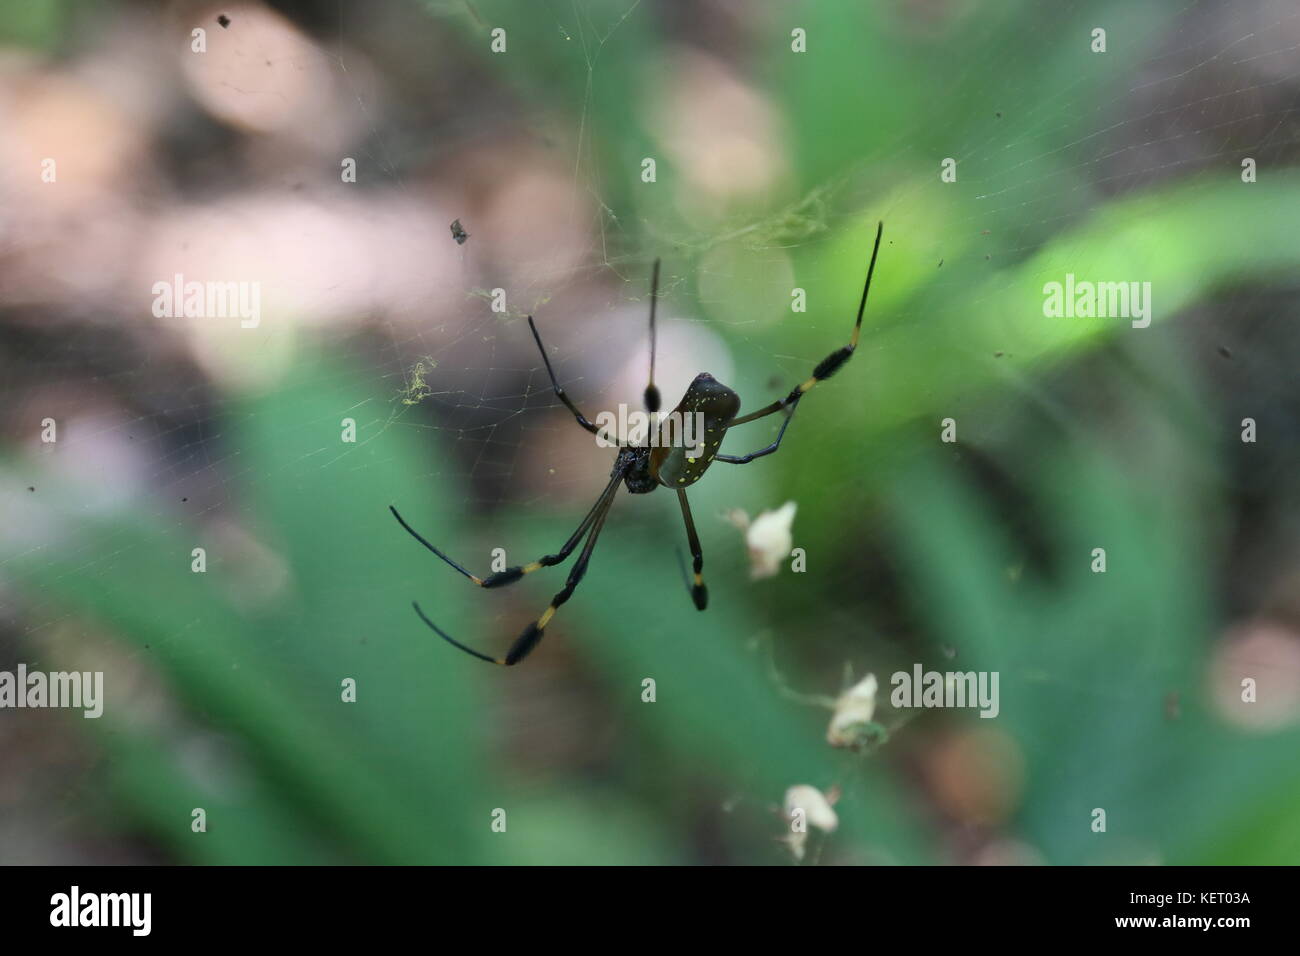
(510, 575)
(532, 635)
(652, 399)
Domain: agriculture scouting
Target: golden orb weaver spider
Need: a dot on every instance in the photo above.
(645, 467)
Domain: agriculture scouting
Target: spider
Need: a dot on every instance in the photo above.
(644, 468)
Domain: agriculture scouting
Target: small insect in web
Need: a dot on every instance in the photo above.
(458, 233)
(647, 466)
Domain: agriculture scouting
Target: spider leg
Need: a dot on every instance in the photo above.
(524, 644)
(560, 393)
(827, 366)
(746, 459)
(699, 593)
(651, 390)
(510, 575)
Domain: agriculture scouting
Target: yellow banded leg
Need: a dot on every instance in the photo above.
(833, 362)
(699, 593)
(524, 644)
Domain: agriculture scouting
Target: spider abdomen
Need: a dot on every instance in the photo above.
(690, 437)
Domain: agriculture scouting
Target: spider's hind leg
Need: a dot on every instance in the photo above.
(770, 449)
(699, 592)
(827, 366)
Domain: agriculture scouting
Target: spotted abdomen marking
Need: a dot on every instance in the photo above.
(674, 465)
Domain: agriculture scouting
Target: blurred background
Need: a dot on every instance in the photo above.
(1119, 690)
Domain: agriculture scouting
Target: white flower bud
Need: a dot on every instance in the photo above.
(770, 541)
(815, 806)
(855, 707)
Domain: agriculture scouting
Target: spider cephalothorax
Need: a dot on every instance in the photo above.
(633, 464)
(666, 459)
